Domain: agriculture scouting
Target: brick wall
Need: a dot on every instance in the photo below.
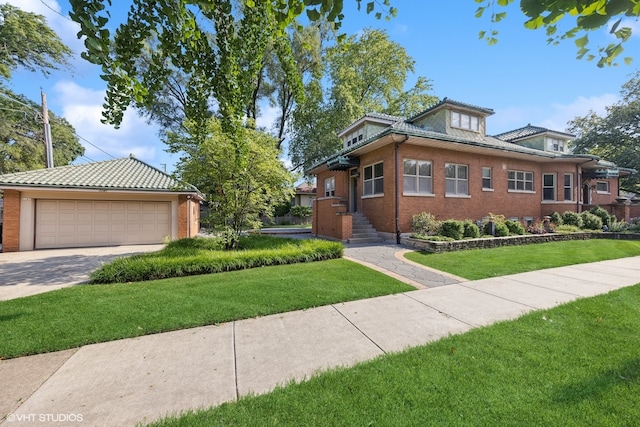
(11, 221)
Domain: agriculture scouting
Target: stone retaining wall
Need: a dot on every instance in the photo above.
(494, 242)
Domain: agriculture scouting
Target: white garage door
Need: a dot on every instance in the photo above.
(79, 223)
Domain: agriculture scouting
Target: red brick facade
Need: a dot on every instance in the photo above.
(11, 221)
(188, 217)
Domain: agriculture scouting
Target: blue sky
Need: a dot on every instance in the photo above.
(522, 78)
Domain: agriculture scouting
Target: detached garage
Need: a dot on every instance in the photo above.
(110, 203)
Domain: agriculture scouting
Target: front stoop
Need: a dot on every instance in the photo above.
(362, 230)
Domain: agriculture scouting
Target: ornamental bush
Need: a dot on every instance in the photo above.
(452, 228)
(572, 218)
(501, 229)
(603, 215)
(425, 223)
(591, 221)
(514, 227)
(556, 218)
(471, 230)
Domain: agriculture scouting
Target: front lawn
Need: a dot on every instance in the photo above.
(573, 365)
(482, 263)
(86, 314)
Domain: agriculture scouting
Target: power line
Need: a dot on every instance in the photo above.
(55, 11)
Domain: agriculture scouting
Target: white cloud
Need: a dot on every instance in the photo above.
(82, 107)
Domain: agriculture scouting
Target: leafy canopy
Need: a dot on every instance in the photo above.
(616, 136)
(583, 15)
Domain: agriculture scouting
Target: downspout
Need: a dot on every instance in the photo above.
(579, 186)
(397, 185)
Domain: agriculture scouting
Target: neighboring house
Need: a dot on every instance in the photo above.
(441, 161)
(304, 196)
(110, 203)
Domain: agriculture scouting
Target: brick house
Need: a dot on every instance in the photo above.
(442, 161)
(110, 203)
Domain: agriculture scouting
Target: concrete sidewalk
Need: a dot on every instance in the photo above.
(142, 379)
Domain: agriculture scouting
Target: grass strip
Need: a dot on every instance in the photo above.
(86, 314)
(572, 365)
(188, 257)
(478, 264)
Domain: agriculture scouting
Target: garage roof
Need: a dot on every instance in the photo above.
(120, 174)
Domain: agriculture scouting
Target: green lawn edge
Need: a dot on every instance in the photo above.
(572, 365)
(479, 264)
(86, 314)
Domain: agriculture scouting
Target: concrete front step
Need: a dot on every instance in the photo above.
(364, 240)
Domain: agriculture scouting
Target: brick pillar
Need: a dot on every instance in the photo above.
(11, 221)
(183, 217)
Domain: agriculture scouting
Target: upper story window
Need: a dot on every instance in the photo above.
(520, 181)
(373, 180)
(354, 137)
(417, 178)
(456, 179)
(602, 187)
(549, 186)
(554, 144)
(330, 187)
(465, 121)
(487, 178)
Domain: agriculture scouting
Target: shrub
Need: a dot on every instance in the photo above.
(618, 226)
(501, 229)
(634, 225)
(514, 227)
(426, 224)
(556, 218)
(572, 218)
(591, 221)
(536, 228)
(567, 229)
(603, 215)
(432, 238)
(471, 230)
(452, 228)
(301, 211)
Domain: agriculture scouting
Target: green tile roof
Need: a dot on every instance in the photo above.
(128, 174)
(527, 131)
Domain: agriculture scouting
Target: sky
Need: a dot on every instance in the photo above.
(522, 78)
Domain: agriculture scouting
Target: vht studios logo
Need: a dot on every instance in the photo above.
(45, 418)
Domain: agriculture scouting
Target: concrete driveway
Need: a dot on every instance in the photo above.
(33, 272)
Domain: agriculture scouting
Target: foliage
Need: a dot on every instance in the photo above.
(28, 42)
(556, 218)
(452, 228)
(537, 227)
(425, 223)
(431, 237)
(514, 227)
(501, 229)
(67, 318)
(616, 136)
(616, 226)
(471, 230)
(240, 174)
(606, 218)
(22, 137)
(572, 218)
(634, 225)
(567, 229)
(301, 211)
(495, 226)
(184, 259)
(585, 16)
(591, 221)
(367, 73)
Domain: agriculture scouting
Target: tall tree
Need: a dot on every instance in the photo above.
(583, 16)
(22, 137)
(366, 73)
(239, 186)
(616, 136)
(26, 41)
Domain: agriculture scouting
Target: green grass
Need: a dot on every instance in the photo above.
(85, 314)
(573, 365)
(482, 263)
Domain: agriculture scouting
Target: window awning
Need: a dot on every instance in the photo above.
(341, 163)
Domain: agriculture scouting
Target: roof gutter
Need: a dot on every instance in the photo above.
(398, 142)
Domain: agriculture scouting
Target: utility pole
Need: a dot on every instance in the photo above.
(48, 147)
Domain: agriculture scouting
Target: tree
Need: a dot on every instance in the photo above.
(26, 41)
(367, 73)
(241, 182)
(584, 16)
(223, 66)
(616, 136)
(22, 138)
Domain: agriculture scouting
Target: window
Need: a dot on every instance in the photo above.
(520, 181)
(548, 186)
(354, 137)
(554, 144)
(465, 121)
(602, 187)
(568, 186)
(456, 180)
(330, 187)
(417, 177)
(373, 180)
(487, 182)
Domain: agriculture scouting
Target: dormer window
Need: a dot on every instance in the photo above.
(465, 121)
(554, 144)
(354, 137)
